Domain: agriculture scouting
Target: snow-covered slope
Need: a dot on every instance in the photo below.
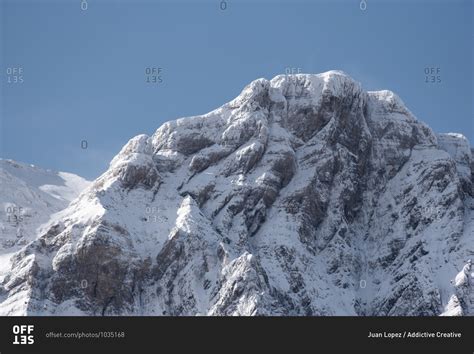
(29, 195)
(29, 198)
(305, 195)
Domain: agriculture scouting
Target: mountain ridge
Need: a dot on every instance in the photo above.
(305, 195)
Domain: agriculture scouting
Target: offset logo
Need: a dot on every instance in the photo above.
(23, 334)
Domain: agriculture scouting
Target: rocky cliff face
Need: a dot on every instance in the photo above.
(305, 195)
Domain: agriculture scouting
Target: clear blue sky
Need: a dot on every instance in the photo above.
(84, 70)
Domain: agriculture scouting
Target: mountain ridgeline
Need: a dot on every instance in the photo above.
(305, 195)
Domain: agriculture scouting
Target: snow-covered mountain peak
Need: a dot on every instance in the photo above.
(137, 151)
(458, 147)
(283, 201)
(314, 86)
(390, 97)
(385, 101)
(59, 185)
